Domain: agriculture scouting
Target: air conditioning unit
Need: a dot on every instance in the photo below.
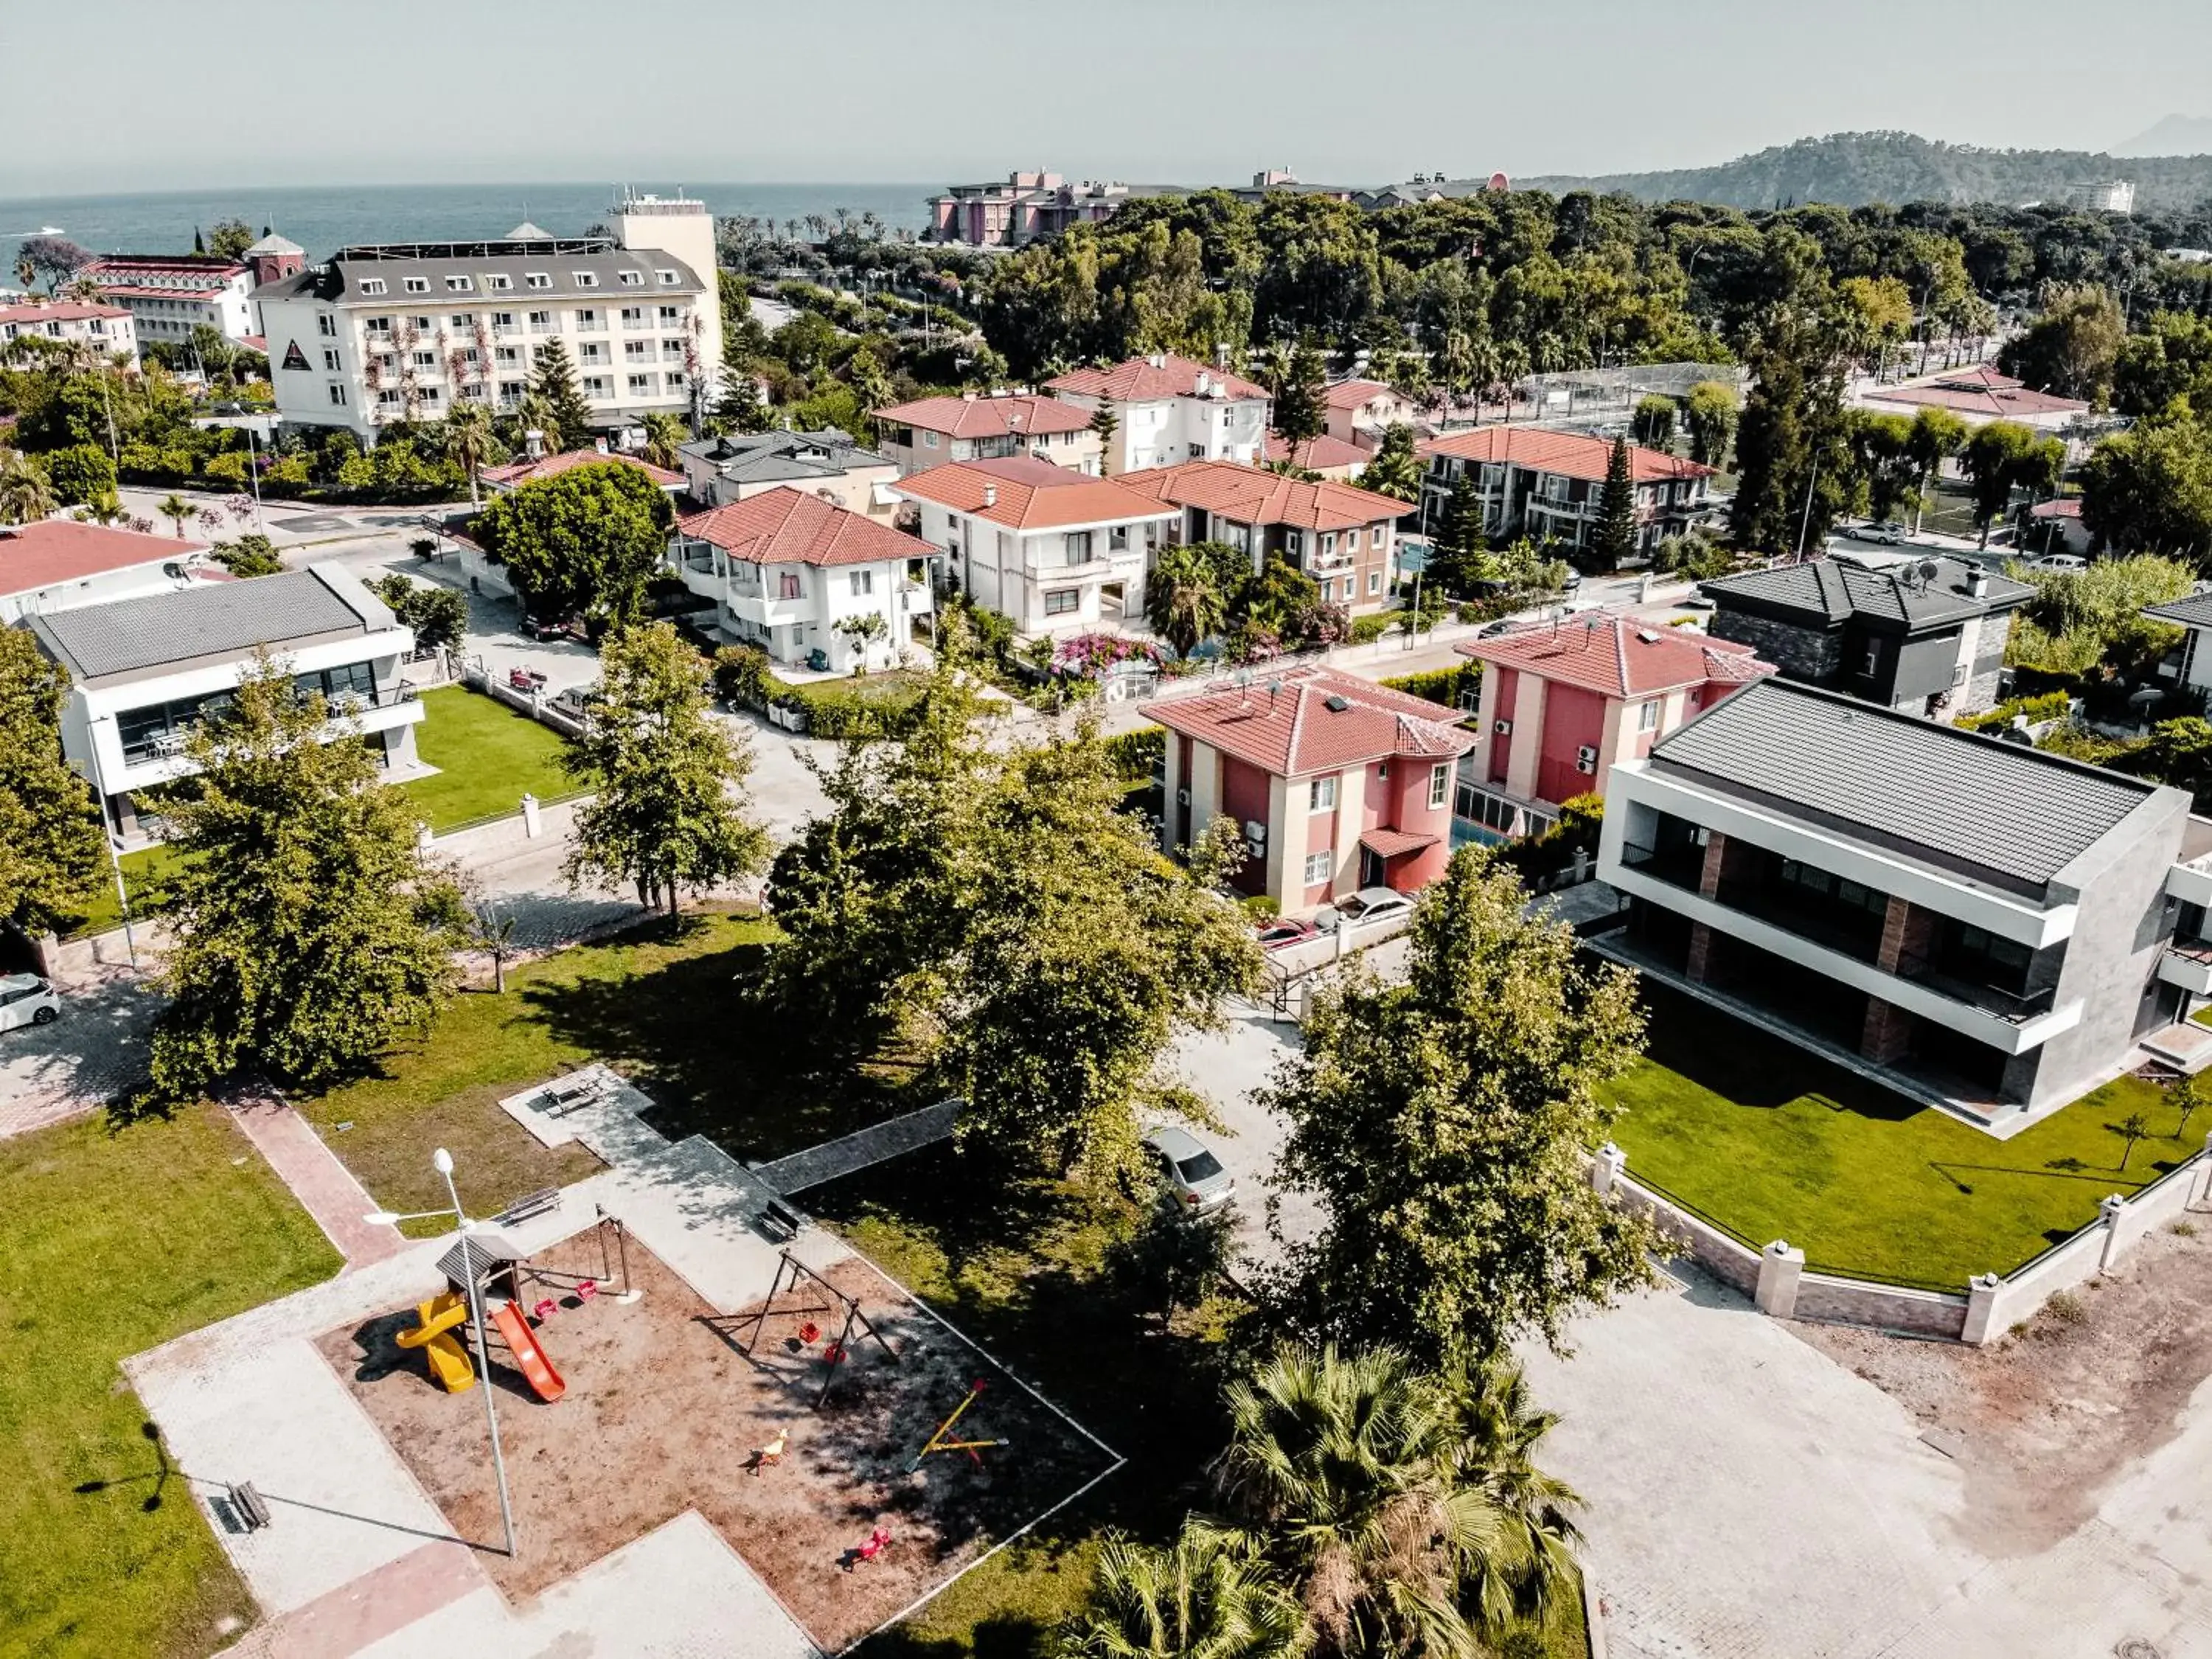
(1586, 759)
(1182, 798)
(1504, 728)
(1255, 832)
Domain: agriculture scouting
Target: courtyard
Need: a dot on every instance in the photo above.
(1771, 1142)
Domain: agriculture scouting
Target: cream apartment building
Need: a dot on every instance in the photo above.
(412, 330)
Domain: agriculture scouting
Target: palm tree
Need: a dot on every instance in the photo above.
(664, 437)
(1491, 1428)
(1206, 1596)
(25, 498)
(466, 437)
(176, 509)
(1182, 601)
(1379, 1495)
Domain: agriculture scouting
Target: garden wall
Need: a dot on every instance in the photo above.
(1775, 1278)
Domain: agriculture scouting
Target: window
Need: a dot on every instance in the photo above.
(506, 354)
(586, 278)
(676, 382)
(591, 352)
(421, 324)
(1647, 716)
(1328, 544)
(788, 585)
(468, 354)
(538, 279)
(1439, 786)
(1078, 547)
(337, 396)
(638, 351)
(1294, 542)
(633, 279)
(1321, 795)
(929, 441)
(327, 325)
(428, 397)
(589, 319)
(416, 284)
(1062, 601)
(633, 316)
(463, 322)
(510, 391)
(331, 360)
(595, 386)
(372, 285)
(1381, 533)
(541, 322)
(1871, 660)
(499, 282)
(1320, 866)
(379, 325)
(1374, 583)
(668, 278)
(426, 360)
(672, 316)
(1117, 539)
(671, 351)
(641, 383)
(502, 320)
(389, 397)
(1349, 585)
(356, 679)
(460, 285)
(862, 582)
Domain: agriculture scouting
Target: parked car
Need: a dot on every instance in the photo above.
(26, 1000)
(526, 679)
(1887, 531)
(1372, 905)
(2059, 562)
(1572, 580)
(1274, 935)
(575, 701)
(1192, 1176)
(1502, 625)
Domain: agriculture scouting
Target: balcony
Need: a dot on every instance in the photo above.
(1682, 866)
(2188, 964)
(2013, 1007)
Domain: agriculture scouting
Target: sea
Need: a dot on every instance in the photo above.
(324, 220)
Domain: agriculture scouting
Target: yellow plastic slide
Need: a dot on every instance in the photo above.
(448, 1359)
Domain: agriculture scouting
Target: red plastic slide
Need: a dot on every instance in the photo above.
(536, 1367)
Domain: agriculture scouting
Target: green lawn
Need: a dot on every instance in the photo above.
(112, 1241)
(664, 1003)
(488, 757)
(1775, 1143)
(143, 873)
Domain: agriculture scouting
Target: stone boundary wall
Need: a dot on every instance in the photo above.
(1990, 1304)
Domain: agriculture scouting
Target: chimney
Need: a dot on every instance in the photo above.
(1978, 583)
(990, 494)
(534, 444)
(1159, 359)
(601, 445)
(1221, 356)
(1203, 384)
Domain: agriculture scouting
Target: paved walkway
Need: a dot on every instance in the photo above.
(326, 1189)
(834, 1159)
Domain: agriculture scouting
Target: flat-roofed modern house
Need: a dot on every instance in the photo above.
(144, 671)
(1986, 926)
(1926, 636)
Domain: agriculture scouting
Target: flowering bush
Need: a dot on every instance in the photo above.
(1087, 656)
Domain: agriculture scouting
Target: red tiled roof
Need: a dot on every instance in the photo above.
(1569, 454)
(1149, 380)
(1028, 494)
(1978, 393)
(1619, 656)
(34, 555)
(987, 417)
(1389, 843)
(790, 526)
(1252, 495)
(1350, 394)
(1318, 453)
(194, 264)
(2066, 507)
(1286, 726)
(546, 466)
(208, 295)
(57, 311)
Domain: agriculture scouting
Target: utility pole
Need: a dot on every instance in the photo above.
(1805, 524)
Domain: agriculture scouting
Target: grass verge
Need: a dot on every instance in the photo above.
(111, 1243)
(487, 756)
(1775, 1143)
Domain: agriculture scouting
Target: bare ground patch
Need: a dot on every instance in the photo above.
(2043, 1422)
(664, 1411)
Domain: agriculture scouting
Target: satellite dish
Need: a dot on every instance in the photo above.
(1929, 569)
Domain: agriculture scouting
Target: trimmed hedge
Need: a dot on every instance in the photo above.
(1137, 756)
(1455, 687)
(2051, 706)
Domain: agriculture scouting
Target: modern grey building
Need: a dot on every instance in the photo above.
(1924, 635)
(144, 671)
(1991, 927)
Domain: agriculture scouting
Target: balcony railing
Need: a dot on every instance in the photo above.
(2014, 1007)
(1681, 867)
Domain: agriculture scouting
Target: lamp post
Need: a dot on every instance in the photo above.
(442, 1161)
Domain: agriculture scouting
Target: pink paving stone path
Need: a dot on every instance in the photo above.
(372, 1606)
(321, 1183)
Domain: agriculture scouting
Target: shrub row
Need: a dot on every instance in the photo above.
(2050, 706)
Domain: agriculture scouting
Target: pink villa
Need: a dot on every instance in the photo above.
(1027, 206)
(1562, 702)
(1337, 783)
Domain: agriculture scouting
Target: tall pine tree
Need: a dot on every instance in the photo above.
(1614, 538)
(1300, 396)
(555, 382)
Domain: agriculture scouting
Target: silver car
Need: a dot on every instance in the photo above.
(26, 1000)
(1193, 1177)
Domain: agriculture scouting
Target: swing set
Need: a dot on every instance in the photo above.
(835, 1353)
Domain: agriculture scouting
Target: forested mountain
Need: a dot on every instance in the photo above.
(1850, 169)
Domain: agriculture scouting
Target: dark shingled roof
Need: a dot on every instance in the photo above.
(1834, 589)
(1904, 781)
(202, 621)
(2193, 612)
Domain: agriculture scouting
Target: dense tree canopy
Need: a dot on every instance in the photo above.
(580, 543)
(52, 858)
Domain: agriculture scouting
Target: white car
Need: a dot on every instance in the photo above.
(1887, 533)
(2059, 562)
(1372, 905)
(26, 1000)
(1192, 1176)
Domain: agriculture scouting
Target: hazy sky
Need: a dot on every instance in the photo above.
(136, 95)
